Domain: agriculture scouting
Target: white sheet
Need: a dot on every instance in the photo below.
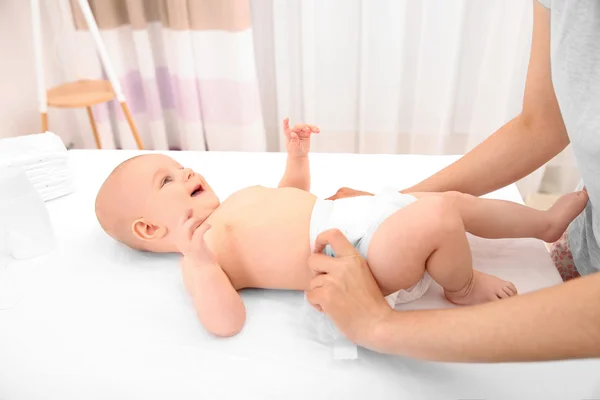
(98, 322)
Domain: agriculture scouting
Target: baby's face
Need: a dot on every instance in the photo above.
(166, 192)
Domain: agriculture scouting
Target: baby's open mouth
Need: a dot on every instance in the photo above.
(197, 190)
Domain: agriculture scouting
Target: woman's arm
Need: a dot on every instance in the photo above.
(520, 146)
(523, 144)
(556, 323)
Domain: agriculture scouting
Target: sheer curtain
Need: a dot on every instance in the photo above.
(393, 76)
(187, 69)
(378, 76)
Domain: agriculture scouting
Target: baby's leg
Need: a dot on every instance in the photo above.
(429, 234)
(496, 219)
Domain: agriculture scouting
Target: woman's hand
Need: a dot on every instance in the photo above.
(345, 290)
(347, 192)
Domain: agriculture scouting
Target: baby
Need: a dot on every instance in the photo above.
(262, 237)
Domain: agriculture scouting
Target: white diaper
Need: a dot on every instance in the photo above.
(358, 218)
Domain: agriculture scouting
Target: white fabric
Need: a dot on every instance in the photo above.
(394, 76)
(25, 227)
(357, 218)
(44, 159)
(413, 77)
(97, 321)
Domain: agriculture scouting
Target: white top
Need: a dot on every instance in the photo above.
(575, 49)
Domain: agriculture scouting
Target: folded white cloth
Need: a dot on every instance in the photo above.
(44, 159)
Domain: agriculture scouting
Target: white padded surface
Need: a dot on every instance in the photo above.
(97, 321)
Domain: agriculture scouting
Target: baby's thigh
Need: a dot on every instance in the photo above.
(399, 249)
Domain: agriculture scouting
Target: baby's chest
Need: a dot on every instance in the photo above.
(234, 240)
(249, 242)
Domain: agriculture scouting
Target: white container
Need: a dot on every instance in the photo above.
(24, 219)
(10, 294)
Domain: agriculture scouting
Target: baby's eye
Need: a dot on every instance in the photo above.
(165, 180)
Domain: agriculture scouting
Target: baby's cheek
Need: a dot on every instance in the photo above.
(170, 212)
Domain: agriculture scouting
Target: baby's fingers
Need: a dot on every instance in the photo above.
(202, 252)
(180, 232)
(198, 234)
(189, 228)
(286, 124)
(185, 217)
(305, 130)
(301, 128)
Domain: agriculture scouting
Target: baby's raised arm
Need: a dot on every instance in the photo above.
(297, 168)
(218, 305)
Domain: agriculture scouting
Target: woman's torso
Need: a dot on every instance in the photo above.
(575, 52)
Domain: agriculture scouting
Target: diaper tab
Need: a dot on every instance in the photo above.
(327, 333)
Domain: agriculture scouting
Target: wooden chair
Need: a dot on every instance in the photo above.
(81, 93)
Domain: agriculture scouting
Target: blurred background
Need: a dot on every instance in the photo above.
(377, 76)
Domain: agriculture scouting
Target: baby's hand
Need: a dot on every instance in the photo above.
(190, 239)
(298, 137)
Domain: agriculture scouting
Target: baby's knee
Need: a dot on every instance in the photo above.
(444, 216)
(457, 198)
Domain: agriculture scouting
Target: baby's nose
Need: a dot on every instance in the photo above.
(187, 173)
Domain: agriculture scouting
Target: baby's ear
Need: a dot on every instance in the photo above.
(146, 231)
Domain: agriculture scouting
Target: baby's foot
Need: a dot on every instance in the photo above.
(481, 289)
(563, 212)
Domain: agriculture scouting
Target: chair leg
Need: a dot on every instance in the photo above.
(94, 128)
(44, 118)
(134, 131)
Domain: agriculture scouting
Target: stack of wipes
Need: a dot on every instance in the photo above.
(44, 159)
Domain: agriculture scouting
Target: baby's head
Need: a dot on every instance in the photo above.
(143, 200)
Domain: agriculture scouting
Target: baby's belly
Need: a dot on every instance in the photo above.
(268, 246)
(275, 258)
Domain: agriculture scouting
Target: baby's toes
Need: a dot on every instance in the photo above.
(507, 290)
(503, 293)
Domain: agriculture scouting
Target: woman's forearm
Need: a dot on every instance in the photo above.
(522, 145)
(561, 322)
(511, 153)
